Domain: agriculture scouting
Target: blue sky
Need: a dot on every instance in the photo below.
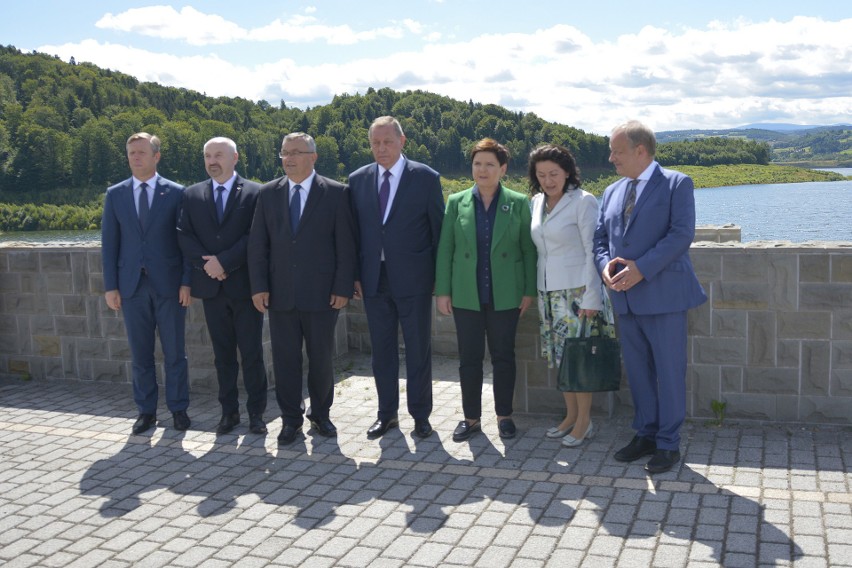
(673, 64)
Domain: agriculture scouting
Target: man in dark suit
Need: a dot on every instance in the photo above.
(398, 206)
(213, 233)
(145, 276)
(301, 259)
(641, 243)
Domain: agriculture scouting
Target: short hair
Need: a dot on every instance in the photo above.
(150, 138)
(562, 157)
(309, 140)
(222, 140)
(491, 145)
(386, 121)
(639, 135)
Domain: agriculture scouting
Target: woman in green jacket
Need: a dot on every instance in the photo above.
(486, 278)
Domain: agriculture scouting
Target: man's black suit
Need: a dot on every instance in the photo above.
(231, 317)
(301, 272)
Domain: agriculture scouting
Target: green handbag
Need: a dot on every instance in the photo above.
(591, 363)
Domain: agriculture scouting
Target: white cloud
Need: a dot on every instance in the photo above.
(305, 29)
(726, 74)
(189, 25)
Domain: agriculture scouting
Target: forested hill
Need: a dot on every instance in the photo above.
(64, 124)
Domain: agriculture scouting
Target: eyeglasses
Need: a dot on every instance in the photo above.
(283, 155)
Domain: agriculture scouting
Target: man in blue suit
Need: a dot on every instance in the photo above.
(398, 206)
(642, 239)
(146, 278)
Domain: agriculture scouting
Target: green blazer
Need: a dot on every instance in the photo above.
(513, 254)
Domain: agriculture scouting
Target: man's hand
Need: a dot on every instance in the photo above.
(444, 305)
(359, 292)
(338, 302)
(184, 296)
(526, 302)
(213, 268)
(113, 299)
(626, 278)
(261, 301)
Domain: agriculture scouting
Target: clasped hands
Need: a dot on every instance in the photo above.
(213, 268)
(624, 278)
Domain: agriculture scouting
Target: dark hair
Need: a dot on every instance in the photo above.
(491, 145)
(562, 157)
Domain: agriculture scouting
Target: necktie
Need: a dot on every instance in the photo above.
(384, 194)
(143, 204)
(295, 209)
(630, 200)
(220, 203)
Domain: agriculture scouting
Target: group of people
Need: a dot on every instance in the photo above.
(301, 246)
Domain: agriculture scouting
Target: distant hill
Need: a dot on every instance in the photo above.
(803, 145)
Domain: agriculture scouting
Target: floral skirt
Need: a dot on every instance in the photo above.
(558, 321)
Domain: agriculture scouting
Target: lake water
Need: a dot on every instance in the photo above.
(797, 212)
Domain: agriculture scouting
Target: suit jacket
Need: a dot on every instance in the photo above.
(658, 236)
(126, 247)
(200, 234)
(301, 271)
(409, 238)
(513, 255)
(564, 244)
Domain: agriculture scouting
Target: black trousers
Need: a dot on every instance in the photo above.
(233, 323)
(472, 329)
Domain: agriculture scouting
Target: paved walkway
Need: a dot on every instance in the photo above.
(77, 490)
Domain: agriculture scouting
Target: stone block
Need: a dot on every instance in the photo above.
(538, 375)
(814, 268)
(58, 283)
(787, 408)
(732, 379)
(18, 366)
(203, 380)
(529, 324)
(196, 334)
(69, 358)
(55, 261)
(47, 346)
(21, 304)
(9, 322)
(200, 356)
(33, 283)
(446, 346)
(23, 261)
(750, 406)
(42, 325)
(841, 355)
(79, 272)
(804, 325)
(706, 387)
(841, 325)
(719, 351)
(841, 383)
(72, 325)
(93, 315)
(825, 409)
(111, 371)
(783, 281)
(699, 320)
(745, 267)
(119, 349)
(9, 343)
(826, 297)
(74, 305)
(545, 400)
(112, 326)
(771, 381)
(841, 268)
(761, 339)
(95, 261)
(729, 323)
(10, 282)
(741, 296)
(788, 353)
(52, 306)
(92, 348)
(52, 368)
(816, 360)
(707, 264)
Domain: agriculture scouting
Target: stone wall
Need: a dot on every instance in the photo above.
(774, 341)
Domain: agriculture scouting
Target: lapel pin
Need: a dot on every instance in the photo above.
(505, 207)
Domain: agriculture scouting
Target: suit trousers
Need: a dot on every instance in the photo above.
(233, 323)
(654, 351)
(288, 329)
(472, 329)
(385, 314)
(145, 313)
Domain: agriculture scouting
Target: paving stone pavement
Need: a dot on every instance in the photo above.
(76, 489)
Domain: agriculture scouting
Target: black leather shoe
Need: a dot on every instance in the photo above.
(465, 430)
(144, 422)
(422, 428)
(256, 424)
(227, 423)
(380, 427)
(288, 434)
(507, 429)
(662, 461)
(181, 419)
(637, 448)
(324, 427)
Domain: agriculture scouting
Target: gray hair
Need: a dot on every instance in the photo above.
(222, 140)
(639, 135)
(309, 140)
(386, 121)
(150, 138)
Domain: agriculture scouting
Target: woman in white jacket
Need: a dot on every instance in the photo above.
(569, 287)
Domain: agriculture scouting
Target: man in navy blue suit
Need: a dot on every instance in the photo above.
(213, 234)
(146, 278)
(641, 243)
(398, 206)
